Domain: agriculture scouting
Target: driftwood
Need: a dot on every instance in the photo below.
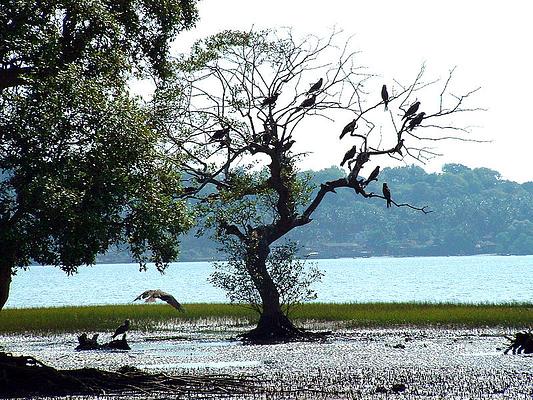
(23, 376)
(521, 343)
(92, 344)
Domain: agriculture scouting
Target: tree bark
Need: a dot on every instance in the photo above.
(273, 325)
(7, 263)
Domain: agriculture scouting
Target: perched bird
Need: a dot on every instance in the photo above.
(317, 85)
(151, 295)
(308, 102)
(411, 110)
(270, 100)
(349, 155)
(349, 128)
(398, 148)
(122, 329)
(386, 194)
(385, 96)
(220, 134)
(373, 176)
(416, 121)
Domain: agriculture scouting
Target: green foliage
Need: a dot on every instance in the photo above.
(80, 163)
(474, 211)
(293, 279)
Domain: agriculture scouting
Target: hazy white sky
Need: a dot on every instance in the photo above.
(490, 43)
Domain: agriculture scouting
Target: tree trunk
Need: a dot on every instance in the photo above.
(7, 263)
(273, 325)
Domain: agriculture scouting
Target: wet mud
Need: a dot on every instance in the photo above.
(419, 363)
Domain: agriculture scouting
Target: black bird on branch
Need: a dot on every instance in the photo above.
(122, 329)
(349, 155)
(220, 134)
(398, 148)
(270, 100)
(411, 110)
(385, 96)
(373, 176)
(386, 194)
(416, 121)
(152, 295)
(316, 86)
(349, 128)
(309, 102)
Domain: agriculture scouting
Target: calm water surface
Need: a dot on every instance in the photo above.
(473, 279)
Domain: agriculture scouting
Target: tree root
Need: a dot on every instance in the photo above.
(280, 330)
(24, 376)
(521, 343)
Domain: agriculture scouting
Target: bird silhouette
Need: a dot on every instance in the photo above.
(220, 134)
(349, 155)
(416, 121)
(398, 148)
(349, 128)
(386, 194)
(270, 100)
(411, 110)
(122, 328)
(316, 86)
(373, 176)
(308, 102)
(152, 295)
(385, 96)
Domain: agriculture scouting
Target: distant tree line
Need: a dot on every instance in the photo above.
(474, 211)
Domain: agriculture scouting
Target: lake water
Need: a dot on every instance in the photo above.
(473, 279)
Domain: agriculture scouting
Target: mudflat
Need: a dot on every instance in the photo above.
(430, 362)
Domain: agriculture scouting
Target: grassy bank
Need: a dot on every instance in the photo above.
(99, 318)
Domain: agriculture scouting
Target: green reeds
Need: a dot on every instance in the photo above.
(148, 316)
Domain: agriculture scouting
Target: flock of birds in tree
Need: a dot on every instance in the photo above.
(149, 296)
(412, 121)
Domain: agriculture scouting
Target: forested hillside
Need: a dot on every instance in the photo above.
(473, 211)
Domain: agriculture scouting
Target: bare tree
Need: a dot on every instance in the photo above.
(239, 105)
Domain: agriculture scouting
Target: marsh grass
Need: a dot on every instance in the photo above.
(149, 316)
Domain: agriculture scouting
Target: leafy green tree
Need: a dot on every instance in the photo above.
(80, 166)
(238, 107)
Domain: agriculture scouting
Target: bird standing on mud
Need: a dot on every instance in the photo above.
(152, 295)
(122, 329)
(385, 96)
(316, 86)
(411, 110)
(387, 195)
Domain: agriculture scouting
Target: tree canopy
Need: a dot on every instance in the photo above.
(80, 163)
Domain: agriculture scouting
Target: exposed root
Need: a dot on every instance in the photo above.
(521, 343)
(279, 330)
(27, 377)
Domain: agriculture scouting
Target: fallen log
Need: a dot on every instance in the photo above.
(92, 344)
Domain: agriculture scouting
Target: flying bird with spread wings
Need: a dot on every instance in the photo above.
(150, 296)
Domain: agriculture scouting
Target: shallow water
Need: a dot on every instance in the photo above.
(474, 279)
(363, 363)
